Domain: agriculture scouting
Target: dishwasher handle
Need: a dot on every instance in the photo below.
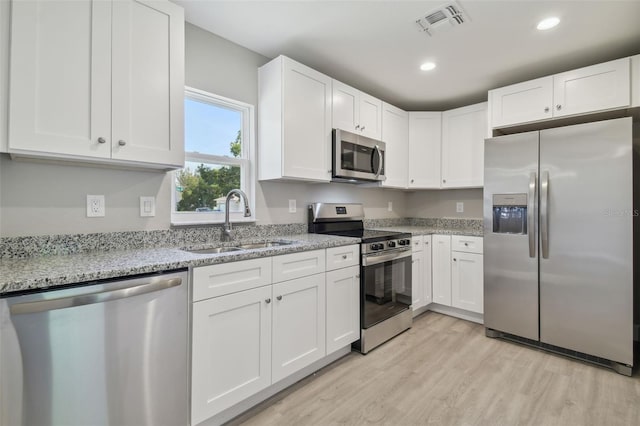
(91, 298)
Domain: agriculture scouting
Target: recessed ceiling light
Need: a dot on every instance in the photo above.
(427, 66)
(548, 23)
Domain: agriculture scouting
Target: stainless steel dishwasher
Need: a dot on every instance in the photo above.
(111, 353)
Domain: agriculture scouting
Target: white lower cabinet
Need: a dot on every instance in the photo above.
(248, 333)
(466, 281)
(231, 350)
(343, 307)
(298, 324)
(417, 273)
(441, 258)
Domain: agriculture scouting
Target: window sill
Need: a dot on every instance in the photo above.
(196, 222)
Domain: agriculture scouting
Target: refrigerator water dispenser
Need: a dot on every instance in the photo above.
(510, 213)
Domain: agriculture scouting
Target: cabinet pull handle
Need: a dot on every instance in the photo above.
(268, 300)
(558, 107)
(546, 109)
(102, 140)
(121, 142)
(279, 297)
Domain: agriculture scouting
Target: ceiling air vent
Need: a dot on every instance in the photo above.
(444, 17)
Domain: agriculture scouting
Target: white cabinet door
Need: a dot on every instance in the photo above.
(298, 324)
(441, 264)
(148, 82)
(60, 89)
(395, 134)
(355, 111)
(467, 289)
(522, 102)
(463, 133)
(598, 87)
(417, 280)
(427, 270)
(370, 116)
(343, 307)
(425, 134)
(5, 35)
(346, 106)
(231, 350)
(294, 128)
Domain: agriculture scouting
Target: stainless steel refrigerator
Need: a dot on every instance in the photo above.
(558, 240)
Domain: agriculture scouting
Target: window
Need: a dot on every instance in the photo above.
(219, 147)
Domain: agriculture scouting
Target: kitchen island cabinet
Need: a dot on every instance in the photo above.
(98, 81)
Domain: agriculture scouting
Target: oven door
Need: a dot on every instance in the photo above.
(357, 157)
(385, 286)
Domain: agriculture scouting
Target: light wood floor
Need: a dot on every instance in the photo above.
(444, 371)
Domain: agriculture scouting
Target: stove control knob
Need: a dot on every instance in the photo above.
(407, 242)
(402, 242)
(391, 244)
(375, 246)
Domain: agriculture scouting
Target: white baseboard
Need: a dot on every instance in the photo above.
(455, 312)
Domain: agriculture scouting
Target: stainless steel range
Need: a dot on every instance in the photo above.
(385, 271)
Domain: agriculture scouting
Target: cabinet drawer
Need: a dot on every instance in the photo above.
(296, 265)
(417, 242)
(341, 257)
(466, 244)
(226, 278)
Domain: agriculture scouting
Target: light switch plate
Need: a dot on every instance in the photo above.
(390, 206)
(292, 206)
(95, 206)
(147, 206)
(459, 207)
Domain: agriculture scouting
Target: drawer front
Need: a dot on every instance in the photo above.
(218, 280)
(296, 265)
(466, 244)
(342, 257)
(416, 242)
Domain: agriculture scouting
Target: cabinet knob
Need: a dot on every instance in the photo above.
(121, 142)
(357, 126)
(362, 129)
(455, 260)
(279, 297)
(344, 256)
(546, 109)
(558, 107)
(444, 181)
(411, 180)
(466, 244)
(102, 140)
(267, 300)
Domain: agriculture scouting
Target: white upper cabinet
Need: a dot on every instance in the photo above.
(355, 111)
(395, 134)
(590, 89)
(4, 71)
(594, 88)
(294, 122)
(463, 133)
(522, 102)
(98, 80)
(425, 134)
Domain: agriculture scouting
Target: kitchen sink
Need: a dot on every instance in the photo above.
(264, 244)
(214, 250)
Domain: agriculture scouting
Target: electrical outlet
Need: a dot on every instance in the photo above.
(95, 206)
(292, 206)
(390, 206)
(459, 207)
(147, 206)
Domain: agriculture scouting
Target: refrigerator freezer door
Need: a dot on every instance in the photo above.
(510, 274)
(586, 289)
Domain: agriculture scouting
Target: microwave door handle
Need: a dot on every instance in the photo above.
(380, 165)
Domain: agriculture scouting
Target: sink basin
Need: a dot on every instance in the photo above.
(214, 250)
(264, 244)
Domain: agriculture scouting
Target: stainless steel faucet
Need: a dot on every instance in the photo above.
(226, 234)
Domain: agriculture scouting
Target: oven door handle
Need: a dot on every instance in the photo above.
(369, 260)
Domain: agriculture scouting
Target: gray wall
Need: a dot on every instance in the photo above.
(443, 203)
(50, 198)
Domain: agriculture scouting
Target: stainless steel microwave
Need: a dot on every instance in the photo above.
(357, 158)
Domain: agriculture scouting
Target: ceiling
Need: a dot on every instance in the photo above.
(377, 47)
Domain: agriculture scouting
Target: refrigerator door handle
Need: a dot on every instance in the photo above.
(544, 214)
(531, 224)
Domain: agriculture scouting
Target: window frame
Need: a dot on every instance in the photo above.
(246, 162)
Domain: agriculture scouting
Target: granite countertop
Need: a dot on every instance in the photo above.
(428, 230)
(50, 271)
